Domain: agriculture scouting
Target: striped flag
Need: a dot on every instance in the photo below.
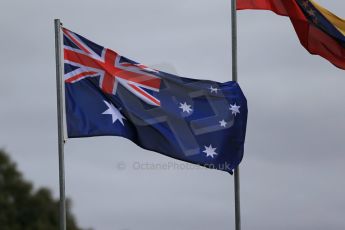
(319, 31)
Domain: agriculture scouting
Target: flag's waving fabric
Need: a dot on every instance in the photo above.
(320, 32)
(198, 121)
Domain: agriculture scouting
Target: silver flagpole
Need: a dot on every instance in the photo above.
(60, 118)
(234, 78)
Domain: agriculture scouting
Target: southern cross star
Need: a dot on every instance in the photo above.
(223, 123)
(114, 112)
(214, 90)
(185, 107)
(210, 151)
(235, 109)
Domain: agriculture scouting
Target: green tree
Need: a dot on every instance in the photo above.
(22, 207)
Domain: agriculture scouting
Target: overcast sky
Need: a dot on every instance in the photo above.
(292, 174)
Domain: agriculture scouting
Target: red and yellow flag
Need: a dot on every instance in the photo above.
(319, 31)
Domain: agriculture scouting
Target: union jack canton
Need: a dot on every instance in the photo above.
(112, 68)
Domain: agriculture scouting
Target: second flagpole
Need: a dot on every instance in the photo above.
(234, 78)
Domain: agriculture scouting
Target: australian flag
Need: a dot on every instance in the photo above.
(197, 121)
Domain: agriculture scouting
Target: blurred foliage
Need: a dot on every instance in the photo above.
(23, 208)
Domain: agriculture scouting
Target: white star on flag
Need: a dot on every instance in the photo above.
(114, 112)
(214, 90)
(223, 123)
(235, 109)
(185, 107)
(210, 151)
